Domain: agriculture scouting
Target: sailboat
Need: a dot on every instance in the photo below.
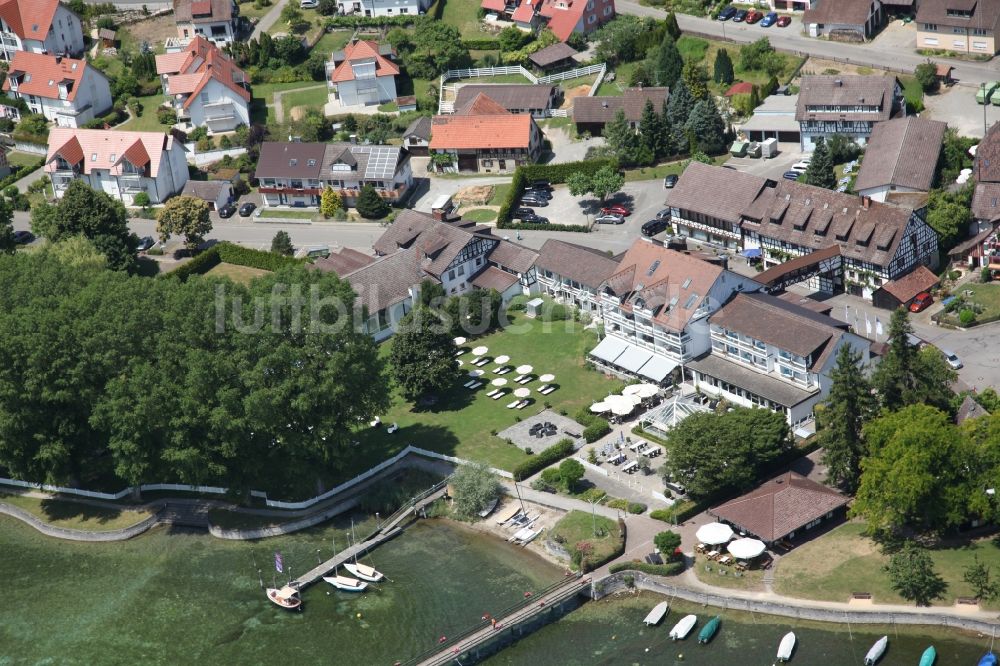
(683, 628)
(928, 657)
(362, 571)
(286, 597)
(786, 646)
(876, 651)
(343, 582)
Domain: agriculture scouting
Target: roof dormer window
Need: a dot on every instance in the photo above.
(112, 158)
(293, 162)
(93, 157)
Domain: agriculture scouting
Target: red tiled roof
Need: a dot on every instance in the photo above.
(190, 70)
(493, 5)
(29, 19)
(461, 132)
(44, 73)
(906, 288)
(564, 21)
(481, 105)
(362, 50)
(524, 12)
(105, 149)
(741, 88)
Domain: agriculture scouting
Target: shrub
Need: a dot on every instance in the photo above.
(967, 317)
(370, 205)
(668, 569)
(599, 428)
(553, 454)
(202, 263)
(636, 507)
(666, 515)
(480, 44)
(245, 256)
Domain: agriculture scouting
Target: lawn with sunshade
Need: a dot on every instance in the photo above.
(462, 422)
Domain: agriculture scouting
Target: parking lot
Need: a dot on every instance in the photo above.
(644, 198)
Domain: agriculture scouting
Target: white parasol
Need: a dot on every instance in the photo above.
(631, 388)
(476, 373)
(499, 381)
(621, 409)
(745, 549)
(480, 350)
(500, 360)
(714, 533)
(524, 369)
(600, 407)
(547, 378)
(459, 341)
(522, 392)
(647, 390)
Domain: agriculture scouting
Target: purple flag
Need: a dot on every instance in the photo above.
(278, 563)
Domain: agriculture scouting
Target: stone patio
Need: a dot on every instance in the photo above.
(519, 432)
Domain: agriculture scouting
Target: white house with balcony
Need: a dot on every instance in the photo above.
(769, 352)
(122, 164)
(573, 274)
(204, 87)
(66, 91)
(383, 7)
(363, 73)
(215, 20)
(39, 26)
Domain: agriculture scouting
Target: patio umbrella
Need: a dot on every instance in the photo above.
(522, 392)
(459, 341)
(631, 388)
(621, 409)
(547, 378)
(745, 549)
(524, 369)
(480, 350)
(476, 373)
(752, 253)
(500, 360)
(499, 381)
(647, 390)
(600, 407)
(714, 533)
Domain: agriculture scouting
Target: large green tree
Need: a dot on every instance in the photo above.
(622, 141)
(430, 48)
(679, 110)
(848, 407)
(422, 358)
(473, 487)
(665, 63)
(602, 184)
(370, 205)
(908, 375)
(820, 172)
(911, 574)
(475, 312)
(696, 79)
(184, 216)
(7, 244)
(707, 128)
(715, 453)
(723, 68)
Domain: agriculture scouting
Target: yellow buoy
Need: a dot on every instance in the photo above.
(359, 616)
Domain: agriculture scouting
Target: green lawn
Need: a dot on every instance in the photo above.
(985, 295)
(148, 121)
(480, 215)
(248, 10)
(577, 527)
(74, 515)
(242, 274)
(462, 422)
(702, 50)
(913, 92)
(288, 214)
(661, 170)
(332, 41)
(18, 159)
(842, 562)
(388, 107)
(623, 74)
(464, 15)
(723, 576)
(500, 193)
(314, 97)
(265, 91)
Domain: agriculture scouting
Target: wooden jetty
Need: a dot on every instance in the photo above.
(387, 530)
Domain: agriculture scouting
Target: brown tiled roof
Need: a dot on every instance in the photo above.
(517, 258)
(603, 109)
(508, 96)
(552, 54)
(969, 409)
(824, 89)
(902, 152)
(812, 217)
(208, 10)
(421, 127)
(775, 274)
(388, 280)
(986, 165)
(671, 284)
(208, 190)
(986, 201)
(480, 104)
(343, 262)
(586, 265)
(767, 386)
(787, 326)
(494, 278)
(841, 12)
(821, 307)
(438, 242)
(780, 506)
(696, 187)
(985, 13)
(970, 243)
(906, 288)
(290, 159)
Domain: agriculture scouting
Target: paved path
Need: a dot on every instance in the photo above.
(268, 19)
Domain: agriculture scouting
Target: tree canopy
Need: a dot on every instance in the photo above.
(911, 574)
(422, 354)
(820, 172)
(370, 205)
(602, 184)
(723, 68)
(908, 375)
(707, 128)
(473, 488)
(848, 407)
(184, 216)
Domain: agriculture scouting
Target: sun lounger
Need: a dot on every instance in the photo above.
(459, 352)
(514, 404)
(519, 378)
(548, 389)
(475, 386)
(469, 383)
(391, 429)
(503, 371)
(525, 379)
(522, 404)
(482, 362)
(499, 394)
(476, 360)
(493, 393)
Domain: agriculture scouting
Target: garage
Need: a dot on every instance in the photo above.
(468, 162)
(774, 119)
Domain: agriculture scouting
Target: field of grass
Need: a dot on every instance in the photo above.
(569, 84)
(18, 159)
(661, 170)
(844, 561)
(913, 93)
(313, 97)
(500, 192)
(242, 274)
(577, 527)
(986, 295)
(480, 215)
(74, 515)
(148, 121)
(332, 41)
(464, 15)
(701, 50)
(278, 213)
(623, 74)
(752, 579)
(248, 10)
(265, 91)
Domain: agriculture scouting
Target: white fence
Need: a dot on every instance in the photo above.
(574, 73)
(209, 156)
(449, 107)
(477, 72)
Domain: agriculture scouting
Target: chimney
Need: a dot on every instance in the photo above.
(866, 202)
(838, 82)
(604, 104)
(58, 59)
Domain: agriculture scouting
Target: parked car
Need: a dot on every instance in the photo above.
(740, 15)
(247, 209)
(801, 167)
(663, 214)
(520, 212)
(610, 218)
(616, 209)
(145, 243)
(23, 237)
(309, 4)
(784, 21)
(952, 359)
(227, 211)
(534, 219)
(534, 200)
(727, 13)
(753, 16)
(921, 302)
(769, 19)
(654, 226)
(539, 185)
(545, 194)
(791, 175)
(670, 181)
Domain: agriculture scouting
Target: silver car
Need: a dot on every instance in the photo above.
(610, 219)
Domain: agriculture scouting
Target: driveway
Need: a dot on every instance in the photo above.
(268, 19)
(565, 148)
(789, 154)
(957, 106)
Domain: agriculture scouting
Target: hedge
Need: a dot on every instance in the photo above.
(554, 173)
(368, 21)
(202, 263)
(481, 44)
(517, 183)
(580, 228)
(20, 172)
(668, 569)
(597, 429)
(245, 256)
(536, 463)
(625, 505)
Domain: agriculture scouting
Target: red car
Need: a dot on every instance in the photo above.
(616, 210)
(753, 16)
(783, 21)
(921, 302)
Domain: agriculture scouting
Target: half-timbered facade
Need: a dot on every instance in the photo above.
(698, 208)
(846, 104)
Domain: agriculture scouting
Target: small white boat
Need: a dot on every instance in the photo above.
(876, 651)
(364, 572)
(489, 508)
(655, 615)
(786, 646)
(529, 537)
(286, 597)
(683, 628)
(508, 514)
(346, 584)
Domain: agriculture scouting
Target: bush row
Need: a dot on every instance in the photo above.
(581, 228)
(559, 173)
(20, 172)
(517, 184)
(481, 44)
(551, 455)
(368, 21)
(202, 263)
(114, 118)
(668, 569)
(594, 426)
(625, 505)
(245, 256)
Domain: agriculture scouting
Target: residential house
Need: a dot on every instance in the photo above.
(555, 58)
(986, 173)
(536, 100)
(774, 119)
(204, 87)
(383, 7)
(848, 104)
(963, 26)
(768, 352)
(343, 262)
(295, 173)
(417, 137)
(791, 5)
(782, 508)
(654, 308)
(574, 273)
(68, 92)
(215, 193)
(844, 20)
(591, 114)
(363, 73)
(697, 214)
(526, 16)
(121, 164)
(484, 136)
(969, 409)
(902, 156)
(564, 17)
(39, 26)
(386, 287)
(215, 20)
